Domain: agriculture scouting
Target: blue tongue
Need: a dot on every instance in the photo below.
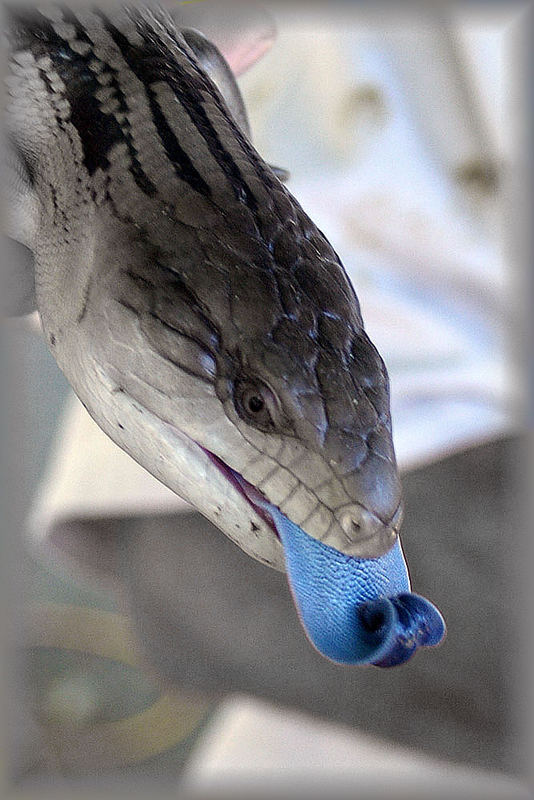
(356, 610)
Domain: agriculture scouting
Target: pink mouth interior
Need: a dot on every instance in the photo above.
(254, 497)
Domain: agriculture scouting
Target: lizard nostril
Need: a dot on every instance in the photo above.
(358, 523)
(366, 536)
(350, 526)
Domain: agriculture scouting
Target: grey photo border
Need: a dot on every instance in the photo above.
(517, 18)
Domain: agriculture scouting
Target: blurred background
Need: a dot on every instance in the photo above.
(174, 658)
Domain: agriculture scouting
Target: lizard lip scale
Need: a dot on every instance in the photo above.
(354, 610)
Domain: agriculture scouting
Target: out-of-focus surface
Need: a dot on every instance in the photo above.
(251, 741)
(395, 136)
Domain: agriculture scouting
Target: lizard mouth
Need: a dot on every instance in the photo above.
(354, 611)
(270, 513)
(254, 497)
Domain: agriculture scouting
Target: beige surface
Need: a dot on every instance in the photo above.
(250, 742)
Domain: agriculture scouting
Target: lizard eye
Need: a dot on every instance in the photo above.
(256, 404)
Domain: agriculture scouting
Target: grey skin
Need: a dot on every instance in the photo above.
(204, 321)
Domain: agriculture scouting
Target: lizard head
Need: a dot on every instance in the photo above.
(254, 348)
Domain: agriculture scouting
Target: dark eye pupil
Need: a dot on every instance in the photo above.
(255, 403)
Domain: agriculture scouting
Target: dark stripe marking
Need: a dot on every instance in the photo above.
(148, 72)
(263, 171)
(154, 63)
(98, 131)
